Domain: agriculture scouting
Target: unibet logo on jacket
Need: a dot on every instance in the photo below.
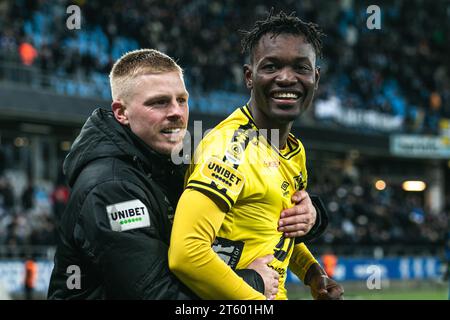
(128, 215)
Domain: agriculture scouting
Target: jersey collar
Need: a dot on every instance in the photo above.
(293, 146)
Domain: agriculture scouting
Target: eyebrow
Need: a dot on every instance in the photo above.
(163, 96)
(296, 60)
(156, 97)
(275, 58)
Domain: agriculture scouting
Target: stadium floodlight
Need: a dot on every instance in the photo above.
(380, 185)
(20, 142)
(414, 185)
(65, 145)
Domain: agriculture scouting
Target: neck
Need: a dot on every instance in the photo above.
(264, 122)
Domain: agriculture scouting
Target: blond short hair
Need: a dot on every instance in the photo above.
(136, 63)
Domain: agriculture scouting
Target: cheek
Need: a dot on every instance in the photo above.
(309, 81)
(261, 84)
(145, 123)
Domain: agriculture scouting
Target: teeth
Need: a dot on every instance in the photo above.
(175, 130)
(288, 95)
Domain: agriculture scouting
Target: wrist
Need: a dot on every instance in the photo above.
(315, 270)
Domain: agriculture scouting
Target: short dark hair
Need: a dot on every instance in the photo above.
(278, 24)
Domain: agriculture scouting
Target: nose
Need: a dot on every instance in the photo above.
(286, 77)
(176, 110)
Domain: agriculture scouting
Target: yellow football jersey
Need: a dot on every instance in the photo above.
(254, 181)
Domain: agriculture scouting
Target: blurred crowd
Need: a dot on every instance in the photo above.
(400, 70)
(362, 215)
(31, 216)
(359, 214)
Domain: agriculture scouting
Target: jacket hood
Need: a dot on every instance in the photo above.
(101, 137)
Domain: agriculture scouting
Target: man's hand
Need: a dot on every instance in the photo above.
(323, 287)
(270, 276)
(298, 220)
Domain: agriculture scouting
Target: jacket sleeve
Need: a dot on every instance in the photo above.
(321, 223)
(127, 252)
(253, 278)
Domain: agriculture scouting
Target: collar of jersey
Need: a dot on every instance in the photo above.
(292, 143)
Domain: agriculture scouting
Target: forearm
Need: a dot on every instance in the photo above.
(253, 278)
(301, 261)
(191, 257)
(315, 270)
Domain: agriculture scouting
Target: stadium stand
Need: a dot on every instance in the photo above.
(405, 77)
(359, 215)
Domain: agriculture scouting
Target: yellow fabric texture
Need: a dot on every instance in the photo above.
(301, 260)
(191, 257)
(236, 166)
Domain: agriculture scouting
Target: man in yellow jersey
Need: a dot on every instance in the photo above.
(246, 170)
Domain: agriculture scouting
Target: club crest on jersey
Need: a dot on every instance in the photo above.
(223, 175)
(299, 182)
(234, 153)
(284, 188)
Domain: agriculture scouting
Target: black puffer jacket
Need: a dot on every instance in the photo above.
(116, 228)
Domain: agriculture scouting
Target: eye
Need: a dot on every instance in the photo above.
(269, 67)
(182, 101)
(160, 103)
(304, 68)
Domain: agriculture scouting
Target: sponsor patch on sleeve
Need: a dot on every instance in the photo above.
(229, 251)
(223, 175)
(128, 215)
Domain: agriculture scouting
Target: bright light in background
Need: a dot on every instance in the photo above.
(380, 185)
(20, 142)
(414, 185)
(65, 145)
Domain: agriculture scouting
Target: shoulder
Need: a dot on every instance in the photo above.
(107, 170)
(236, 121)
(229, 138)
(108, 181)
(297, 149)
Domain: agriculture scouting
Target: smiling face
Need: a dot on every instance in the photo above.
(282, 78)
(156, 110)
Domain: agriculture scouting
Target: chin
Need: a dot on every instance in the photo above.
(167, 148)
(284, 116)
(172, 149)
(164, 150)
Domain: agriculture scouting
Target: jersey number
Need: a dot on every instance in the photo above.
(282, 248)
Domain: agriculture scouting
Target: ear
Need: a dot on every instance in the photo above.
(316, 85)
(120, 112)
(248, 76)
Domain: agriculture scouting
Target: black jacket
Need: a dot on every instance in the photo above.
(118, 183)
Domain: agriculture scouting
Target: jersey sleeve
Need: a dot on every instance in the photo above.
(304, 172)
(191, 256)
(301, 260)
(216, 169)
